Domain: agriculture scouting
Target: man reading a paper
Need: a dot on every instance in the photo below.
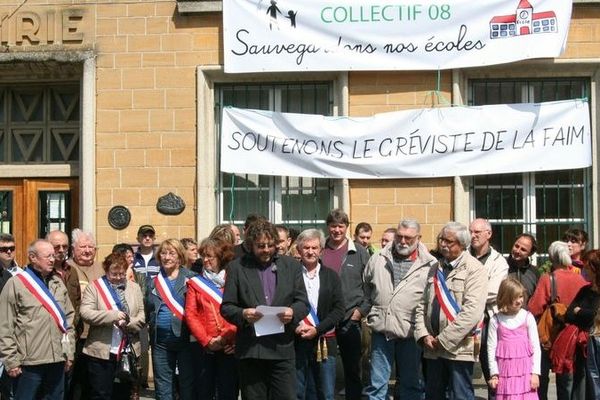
(264, 278)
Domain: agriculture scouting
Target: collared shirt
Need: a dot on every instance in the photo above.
(268, 278)
(483, 258)
(312, 284)
(14, 268)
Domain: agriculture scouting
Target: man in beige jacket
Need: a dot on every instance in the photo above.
(36, 336)
(394, 281)
(448, 317)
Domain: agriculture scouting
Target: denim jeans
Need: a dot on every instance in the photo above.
(50, 377)
(407, 356)
(314, 380)
(449, 376)
(165, 358)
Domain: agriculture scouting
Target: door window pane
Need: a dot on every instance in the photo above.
(6, 211)
(54, 211)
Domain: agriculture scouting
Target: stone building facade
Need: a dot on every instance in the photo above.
(107, 103)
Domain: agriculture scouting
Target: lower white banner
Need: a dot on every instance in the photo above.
(434, 142)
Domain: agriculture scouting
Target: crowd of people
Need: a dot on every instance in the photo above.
(273, 315)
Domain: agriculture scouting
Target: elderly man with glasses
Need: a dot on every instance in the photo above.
(394, 281)
(448, 317)
(36, 327)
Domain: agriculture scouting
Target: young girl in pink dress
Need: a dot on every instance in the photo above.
(513, 346)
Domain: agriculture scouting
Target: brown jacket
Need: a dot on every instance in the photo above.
(28, 333)
(85, 275)
(70, 278)
(100, 319)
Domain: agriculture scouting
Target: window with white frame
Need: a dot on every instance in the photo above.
(542, 203)
(298, 202)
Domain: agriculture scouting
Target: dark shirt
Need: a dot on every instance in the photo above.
(526, 274)
(484, 257)
(268, 278)
(334, 258)
(588, 301)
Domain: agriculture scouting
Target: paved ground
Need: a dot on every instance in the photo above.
(480, 391)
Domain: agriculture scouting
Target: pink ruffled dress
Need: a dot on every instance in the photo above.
(515, 359)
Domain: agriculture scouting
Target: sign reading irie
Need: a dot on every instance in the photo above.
(34, 28)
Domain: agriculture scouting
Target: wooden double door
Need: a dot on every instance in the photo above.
(32, 207)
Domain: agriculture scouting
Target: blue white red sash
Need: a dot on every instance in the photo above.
(446, 299)
(168, 295)
(111, 302)
(41, 292)
(208, 287)
(108, 295)
(311, 319)
(448, 303)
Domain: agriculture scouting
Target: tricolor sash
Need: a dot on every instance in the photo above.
(208, 287)
(311, 319)
(448, 303)
(111, 302)
(43, 295)
(445, 297)
(168, 295)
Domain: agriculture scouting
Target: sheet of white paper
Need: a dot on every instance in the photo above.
(269, 324)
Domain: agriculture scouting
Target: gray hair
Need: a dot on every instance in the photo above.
(558, 253)
(310, 234)
(408, 223)
(79, 234)
(460, 230)
(32, 248)
(483, 221)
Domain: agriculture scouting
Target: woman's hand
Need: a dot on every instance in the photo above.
(535, 381)
(216, 344)
(493, 382)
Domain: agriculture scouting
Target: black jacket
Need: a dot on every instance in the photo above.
(243, 289)
(4, 277)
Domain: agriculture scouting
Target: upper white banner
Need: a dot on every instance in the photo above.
(453, 141)
(317, 35)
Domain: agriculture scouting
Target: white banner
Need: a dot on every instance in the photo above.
(453, 141)
(317, 35)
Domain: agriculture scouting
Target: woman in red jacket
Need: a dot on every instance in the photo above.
(203, 299)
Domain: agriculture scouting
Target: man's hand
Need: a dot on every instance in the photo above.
(430, 342)
(68, 365)
(13, 373)
(286, 316)
(309, 333)
(251, 315)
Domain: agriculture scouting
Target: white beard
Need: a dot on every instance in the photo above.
(405, 251)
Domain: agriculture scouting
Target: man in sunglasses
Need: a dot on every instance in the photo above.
(7, 253)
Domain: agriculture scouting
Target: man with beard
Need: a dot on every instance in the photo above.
(266, 365)
(394, 281)
(448, 315)
(519, 265)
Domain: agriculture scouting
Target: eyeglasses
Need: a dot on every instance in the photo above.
(169, 253)
(447, 241)
(48, 257)
(264, 245)
(6, 249)
(61, 246)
